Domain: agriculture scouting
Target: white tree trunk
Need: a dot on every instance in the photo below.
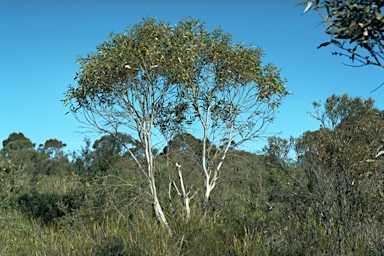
(159, 212)
(158, 209)
(209, 185)
(184, 193)
(204, 205)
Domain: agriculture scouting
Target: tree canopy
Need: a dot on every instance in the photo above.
(17, 141)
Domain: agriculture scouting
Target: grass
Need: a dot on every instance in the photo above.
(21, 235)
(91, 229)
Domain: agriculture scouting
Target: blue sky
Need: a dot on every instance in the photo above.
(41, 39)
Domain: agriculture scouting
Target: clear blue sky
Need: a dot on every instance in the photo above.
(41, 39)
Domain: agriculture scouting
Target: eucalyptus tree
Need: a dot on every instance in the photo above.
(109, 149)
(17, 141)
(52, 147)
(157, 80)
(231, 94)
(19, 149)
(124, 86)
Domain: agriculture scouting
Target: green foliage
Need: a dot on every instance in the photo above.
(109, 149)
(263, 205)
(19, 150)
(11, 181)
(53, 148)
(339, 161)
(49, 207)
(339, 108)
(355, 26)
(16, 141)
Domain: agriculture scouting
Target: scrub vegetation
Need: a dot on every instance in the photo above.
(169, 173)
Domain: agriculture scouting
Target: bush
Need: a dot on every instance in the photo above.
(49, 207)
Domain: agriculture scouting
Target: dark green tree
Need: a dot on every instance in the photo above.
(52, 147)
(19, 150)
(17, 141)
(110, 149)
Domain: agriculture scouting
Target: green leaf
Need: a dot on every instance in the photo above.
(336, 30)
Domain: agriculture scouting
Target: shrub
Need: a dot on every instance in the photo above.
(49, 207)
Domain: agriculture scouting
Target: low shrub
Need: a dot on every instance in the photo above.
(49, 207)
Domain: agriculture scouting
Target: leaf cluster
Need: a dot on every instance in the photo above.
(354, 25)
